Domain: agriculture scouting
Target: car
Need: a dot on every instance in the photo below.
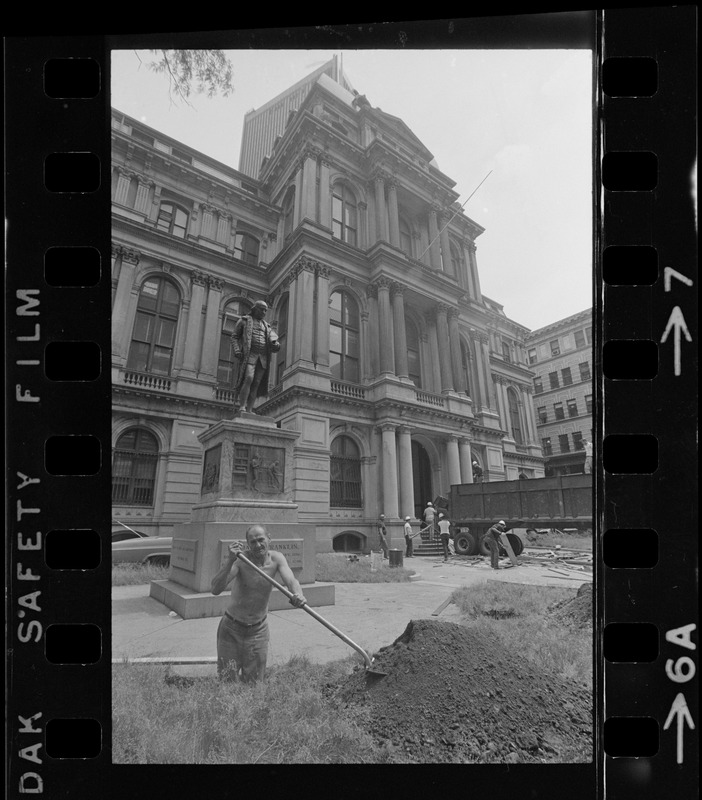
(138, 547)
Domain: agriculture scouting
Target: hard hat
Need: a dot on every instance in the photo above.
(501, 522)
(429, 503)
(407, 519)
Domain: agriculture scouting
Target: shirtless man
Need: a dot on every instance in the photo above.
(242, 635)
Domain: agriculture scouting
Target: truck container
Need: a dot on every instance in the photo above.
(562, 502)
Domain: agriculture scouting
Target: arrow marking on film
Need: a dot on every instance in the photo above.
(669, 273)
(677, 323)
(680, 710)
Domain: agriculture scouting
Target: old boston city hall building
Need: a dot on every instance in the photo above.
(394, 368)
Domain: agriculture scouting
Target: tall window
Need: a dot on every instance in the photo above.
(405, 236)
(172, 219)
(134, 468)
(538, 386)
(584, 371)
(246, 248)
(505, 351)
(155, 325)
(282, 357)
(563, 443)
(532, 355)
(553, 380)
(572, 408)
(580, 338)
(344, 215)
(288, 212)
(555, 348)
(456, 259)
(228, 366)
(588, 403)
(413, 362)
(514, 417)
(546, 446)
(345, 474)
(543, 417)
(558, 411)
(578, 440)
(344, 345)
(567, 377)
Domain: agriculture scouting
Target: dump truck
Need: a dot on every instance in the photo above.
(563, 502)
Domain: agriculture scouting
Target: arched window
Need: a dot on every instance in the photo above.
(288, 212)
(344, 215)
(134, 468)
(413, 360)
(246, 248)
(172, 219)
(345, 474)
(465, 366)
(228, 366)
(155, 325)
(344, 345)
(514, 416)
(456, 266)
(282, 356)
(405, 236)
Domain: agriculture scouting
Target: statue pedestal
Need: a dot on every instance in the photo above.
(246, 479)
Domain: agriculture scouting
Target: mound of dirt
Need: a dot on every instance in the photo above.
(576, 611)
(456, 695)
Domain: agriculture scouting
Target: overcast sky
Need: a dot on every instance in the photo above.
(524, 114)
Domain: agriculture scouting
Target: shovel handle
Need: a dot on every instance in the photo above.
(310, 611)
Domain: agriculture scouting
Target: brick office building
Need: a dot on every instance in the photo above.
(561, 356)
(395, 369)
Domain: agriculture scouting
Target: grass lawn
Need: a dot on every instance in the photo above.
(331, 568)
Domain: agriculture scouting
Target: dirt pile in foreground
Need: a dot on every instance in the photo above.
(576, 611)
(454, 694)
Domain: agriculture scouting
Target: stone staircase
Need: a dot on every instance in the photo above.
(426, 546)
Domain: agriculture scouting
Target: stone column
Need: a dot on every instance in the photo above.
(406, 478)
(453, 460)
(389, 504)
(466, 458)
(480, 371)
(293, 342)
(484, 343)
(502, 389)
(387, 361)
(304, 297)
(393, 217)
(371, 365)
(297, 214)
(445, 246)
(142, 196)
(455, 344)
(530, 415)
(322, 320)
(198, 281)
(308, 208)
(124, 179)
(434, 349)
(324, 194)
(400, 332)
(362, 234)
(434, 246)
(381, 232)
(442, 333)
(473, 271)
(125, 283)
(210, 338)
(224, 226)
(467, 276)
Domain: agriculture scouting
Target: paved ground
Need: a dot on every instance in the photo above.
(373, 615)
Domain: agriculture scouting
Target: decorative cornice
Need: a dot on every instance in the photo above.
(216, 284)
(198, 278)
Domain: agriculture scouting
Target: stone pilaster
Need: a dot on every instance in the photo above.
(445, 246)
(393, 217)
(466, 459)
(434, 246)
(453, 461)
(324, 194)
(381, 227)
(308, 209)
(442, 332)
(387, 360)
(455, 344)
(192, 338)
(322, 316)
(120, 329)
(371, 365)
(210, 339)
(400, 332)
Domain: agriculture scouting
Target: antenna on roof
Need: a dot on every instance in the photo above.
(454, 214)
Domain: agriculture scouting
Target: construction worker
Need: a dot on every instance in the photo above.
(383, 535)
(445, 534)
(429, 517)
(492, 539)
(409, 545)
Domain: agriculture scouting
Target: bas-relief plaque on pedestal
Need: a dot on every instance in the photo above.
(183, 554)
(211, 469)
(291, 548)
(258, 469)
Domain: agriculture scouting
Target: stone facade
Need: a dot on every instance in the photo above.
(395, 370)
(561, 356)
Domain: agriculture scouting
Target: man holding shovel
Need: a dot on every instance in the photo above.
(242, 635)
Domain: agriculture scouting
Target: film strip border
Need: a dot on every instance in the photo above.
(648, 329)
(58, 391)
